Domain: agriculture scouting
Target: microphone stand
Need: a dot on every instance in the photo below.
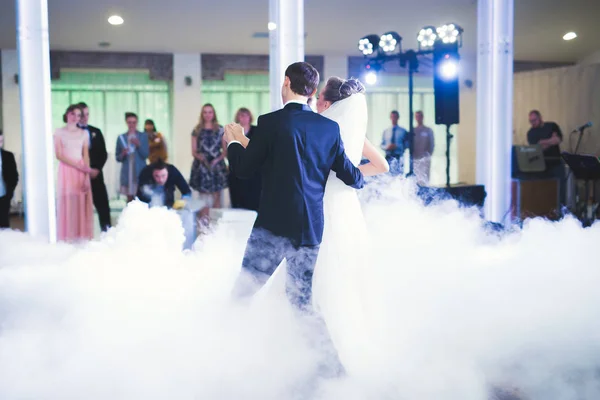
(580, 211)
(580, 130)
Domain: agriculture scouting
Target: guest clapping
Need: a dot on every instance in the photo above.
(132, 151)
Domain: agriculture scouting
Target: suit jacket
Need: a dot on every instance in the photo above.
(98, 154)
(175, 180)
(141, 154)
(245, 193)
(296, 149)
(10, 175)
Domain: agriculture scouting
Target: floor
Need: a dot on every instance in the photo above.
(17, 221)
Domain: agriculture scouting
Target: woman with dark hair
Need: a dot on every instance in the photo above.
(132, 152)
(341, 279)
(74, 190)
(209, 172)
(338, 89)
(156, 143)
(245, 193)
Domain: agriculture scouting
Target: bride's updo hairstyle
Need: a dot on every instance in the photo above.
(338, 89)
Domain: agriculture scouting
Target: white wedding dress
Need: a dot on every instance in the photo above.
(341, 273)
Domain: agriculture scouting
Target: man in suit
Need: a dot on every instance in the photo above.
(295, 148)
(9, 177)
(98, 157)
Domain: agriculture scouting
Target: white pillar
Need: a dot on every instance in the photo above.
(494, 104)
(286, 42)
(335, 66)
(187, 103)
(11, 112)
(36, 117)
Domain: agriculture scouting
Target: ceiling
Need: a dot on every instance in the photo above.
(332, 26)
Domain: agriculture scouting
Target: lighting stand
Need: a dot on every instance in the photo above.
(410, 59)
(449, 137)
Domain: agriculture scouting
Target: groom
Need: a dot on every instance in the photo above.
(296, 149)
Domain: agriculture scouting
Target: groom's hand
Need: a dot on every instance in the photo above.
(235, 132)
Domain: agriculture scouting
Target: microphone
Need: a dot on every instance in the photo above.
(582, 127)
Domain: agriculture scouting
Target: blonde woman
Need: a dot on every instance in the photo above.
(209, 172)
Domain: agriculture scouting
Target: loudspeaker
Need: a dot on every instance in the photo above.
(446, 83)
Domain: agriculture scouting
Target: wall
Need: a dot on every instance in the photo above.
(335, 65)
(187, 102)
(593, 58)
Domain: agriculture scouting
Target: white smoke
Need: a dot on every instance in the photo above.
(456, 311)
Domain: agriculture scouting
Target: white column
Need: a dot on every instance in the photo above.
(11, 112)
(36, 118)
(335, 66)
(494, 104)
(187, 102)
(286, 42)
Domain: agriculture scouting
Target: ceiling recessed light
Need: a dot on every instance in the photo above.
(115, 20)
(569, 36)
(272, 26)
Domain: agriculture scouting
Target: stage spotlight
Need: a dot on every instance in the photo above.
(368, 45)
(449, 33)
(389, 42)
(427, 37)
(448, 68)
(371, 77)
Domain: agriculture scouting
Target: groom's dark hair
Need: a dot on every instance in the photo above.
(304, 78)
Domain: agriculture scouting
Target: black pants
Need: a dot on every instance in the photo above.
(264, 252)
(100, 196)
(4, 212)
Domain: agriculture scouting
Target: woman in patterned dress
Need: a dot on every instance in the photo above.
(209, 172)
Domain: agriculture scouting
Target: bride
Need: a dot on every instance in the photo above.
(341, 272)
(339, 289)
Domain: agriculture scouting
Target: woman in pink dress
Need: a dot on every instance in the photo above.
(74, 191)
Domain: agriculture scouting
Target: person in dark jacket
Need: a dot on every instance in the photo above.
(157, 183)
(9, 177)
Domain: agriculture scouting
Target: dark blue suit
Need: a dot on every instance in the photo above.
(296, 149)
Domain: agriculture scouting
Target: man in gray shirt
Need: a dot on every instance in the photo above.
(423, 145)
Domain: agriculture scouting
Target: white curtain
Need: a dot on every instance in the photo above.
(567, 96)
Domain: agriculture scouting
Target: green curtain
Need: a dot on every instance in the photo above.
(109, 95)
(390, 93)
(235, 91)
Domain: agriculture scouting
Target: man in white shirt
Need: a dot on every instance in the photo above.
(423, 145)
(394, 143)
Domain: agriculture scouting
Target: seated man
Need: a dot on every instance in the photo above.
(157, 184)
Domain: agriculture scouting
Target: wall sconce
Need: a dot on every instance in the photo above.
(16, 79)
(188, 81)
